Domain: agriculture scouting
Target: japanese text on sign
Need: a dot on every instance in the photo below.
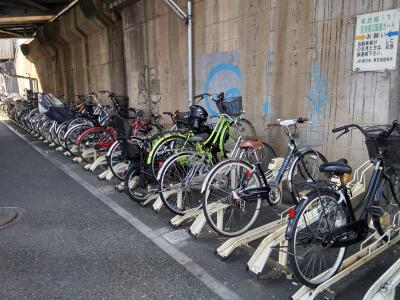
(376, 37)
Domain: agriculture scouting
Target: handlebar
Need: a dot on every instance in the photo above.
(219, 98)
(288, 122)
(381, 135)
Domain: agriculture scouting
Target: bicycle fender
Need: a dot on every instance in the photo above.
(291, 222)
(111, 149)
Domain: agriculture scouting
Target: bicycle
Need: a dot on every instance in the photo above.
(324, 223)
(185, 171)
(241, 185)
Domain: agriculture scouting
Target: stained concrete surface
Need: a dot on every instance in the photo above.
(70, 245)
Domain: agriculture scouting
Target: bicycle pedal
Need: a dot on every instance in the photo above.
(376, 211)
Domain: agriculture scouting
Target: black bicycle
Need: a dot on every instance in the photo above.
(324, 223)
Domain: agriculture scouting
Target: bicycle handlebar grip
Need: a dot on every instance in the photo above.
(200, 96)
(337, 129)
(167, 113)
(302, 120)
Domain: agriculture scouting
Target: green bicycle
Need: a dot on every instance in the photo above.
(182, 174)
(179, 140)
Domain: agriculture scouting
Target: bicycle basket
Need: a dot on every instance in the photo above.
(183, 119)
(231, 106)
(388, 148)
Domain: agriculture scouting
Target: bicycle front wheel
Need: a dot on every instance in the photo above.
(313, 259)
(180, 181)
(303, 171)
(226, 205)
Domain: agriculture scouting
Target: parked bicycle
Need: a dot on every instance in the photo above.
(182, 174)
(242, 185)
(325, 223)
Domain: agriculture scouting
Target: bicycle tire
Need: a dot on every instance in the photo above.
(190, 176)
(295, 186)
(307, 219)
(219, 177)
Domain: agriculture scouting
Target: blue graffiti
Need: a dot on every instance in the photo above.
(230, 91)
(317, 94)
(266, 107)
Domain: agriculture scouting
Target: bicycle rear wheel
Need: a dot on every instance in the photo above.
(225, 187)
(303, 170)
(71, 137)
(389, 202)
(312, 258)
(95, 139)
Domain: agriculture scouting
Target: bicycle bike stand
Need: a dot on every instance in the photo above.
(120, 187)
(385, 287)
(260, 257)
(231, 244)
(158, 203)
(103, 175)
(109, 175)
(51, 145)
(101, 161)
(118, 168)
(77, 159)
(189, 215)
(200, 221)
(358, 182)
(89, 153)
(358, 259)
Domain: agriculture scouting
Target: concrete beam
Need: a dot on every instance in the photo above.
(8, 20)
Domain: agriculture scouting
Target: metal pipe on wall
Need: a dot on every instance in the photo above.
(190, 53)
(65, 9)
(176, 9)
(188, 19)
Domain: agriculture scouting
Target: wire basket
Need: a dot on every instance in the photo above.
(388, 149)
(231, 106)
(129, 149)
(183, 119)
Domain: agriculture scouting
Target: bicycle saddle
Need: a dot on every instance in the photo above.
(338, 167)
(251, 143)
(198, 138)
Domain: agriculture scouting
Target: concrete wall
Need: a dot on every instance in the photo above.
(288, 58)
(78, 54)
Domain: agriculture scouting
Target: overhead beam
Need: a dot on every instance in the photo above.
(34, 4)
(10, 33)
(24, 19)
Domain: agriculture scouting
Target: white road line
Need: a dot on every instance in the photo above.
(195, 269)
